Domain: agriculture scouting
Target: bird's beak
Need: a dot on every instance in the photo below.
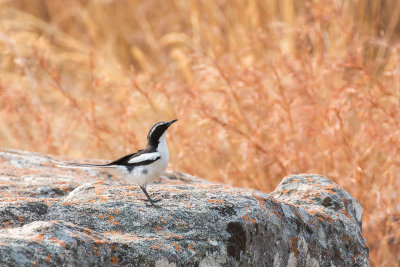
(171, 122)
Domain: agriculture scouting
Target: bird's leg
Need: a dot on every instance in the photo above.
(148, 197)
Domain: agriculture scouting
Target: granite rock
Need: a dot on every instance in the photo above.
(51, 216)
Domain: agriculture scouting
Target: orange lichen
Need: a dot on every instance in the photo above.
(99, 241)
(246, 217)
(294, 249)
(39, 237)
(114, 260)
(348, 238)
(218, 201)
(48, 258)
(177, 236)
(56, 241)
(154, 246)
(328, 218)
(347, 214)
(87, 231)
(177, 247)
(111, 232)
(96, 252)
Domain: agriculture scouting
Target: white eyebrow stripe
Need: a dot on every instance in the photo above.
(145, 157)
(154, 127)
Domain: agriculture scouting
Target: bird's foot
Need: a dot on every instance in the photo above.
(152, 204)
(153, 200)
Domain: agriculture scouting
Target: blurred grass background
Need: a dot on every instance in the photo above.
(261, 89)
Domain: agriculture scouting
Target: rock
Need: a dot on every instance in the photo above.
(51, 216)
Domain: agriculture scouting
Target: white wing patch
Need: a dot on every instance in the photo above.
(145, 157)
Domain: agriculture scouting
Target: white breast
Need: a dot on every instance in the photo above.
(146, 174)
(163, 150)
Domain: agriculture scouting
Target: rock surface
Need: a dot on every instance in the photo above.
(68, 217)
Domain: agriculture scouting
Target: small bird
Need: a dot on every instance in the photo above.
(142, 167)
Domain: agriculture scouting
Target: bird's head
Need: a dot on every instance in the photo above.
(157, 131)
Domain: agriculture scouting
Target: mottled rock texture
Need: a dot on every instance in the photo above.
(51, 216)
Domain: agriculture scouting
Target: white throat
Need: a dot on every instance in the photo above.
(162, 147)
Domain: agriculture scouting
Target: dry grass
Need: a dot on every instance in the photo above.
(261, 89)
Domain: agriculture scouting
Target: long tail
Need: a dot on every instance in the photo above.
(71, 165)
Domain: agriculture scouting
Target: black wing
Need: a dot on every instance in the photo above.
(129, 160)
(124, 160)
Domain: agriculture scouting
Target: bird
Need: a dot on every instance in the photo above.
(143, 166)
